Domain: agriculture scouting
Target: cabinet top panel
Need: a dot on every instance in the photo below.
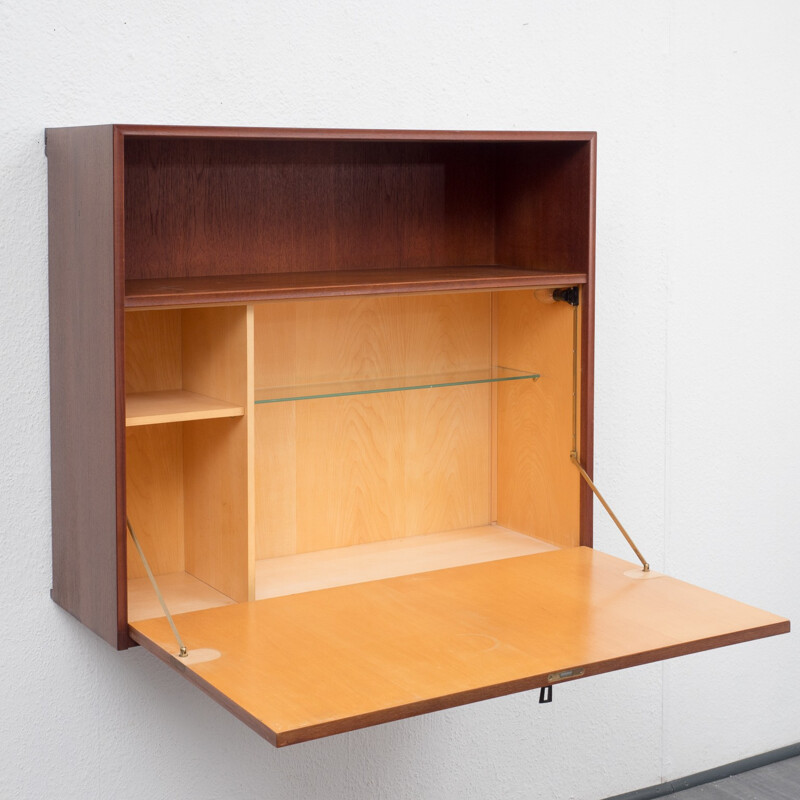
(212, 132)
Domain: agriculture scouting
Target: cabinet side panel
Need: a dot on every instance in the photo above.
(83, 376)
(537, 485)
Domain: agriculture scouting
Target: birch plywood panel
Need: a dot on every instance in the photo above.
(318, 663)
(537, 486)
(216, 512)
(350, 470)
(218, 468)
(154, 468)
(275, 480)
(447, 468)
(308, 342)
(215, 353)
(152, 351)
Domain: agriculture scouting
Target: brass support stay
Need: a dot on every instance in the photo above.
(182, 651)
(573, 456)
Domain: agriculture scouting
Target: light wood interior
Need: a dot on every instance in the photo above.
(189, 494)
(345, 471)
(341, 566)
(537, 485)
(182, 365)
(323, 569)
(322, 662)
(305, 494)
(154, 408)
(182, 592)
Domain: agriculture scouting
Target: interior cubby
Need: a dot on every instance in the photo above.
(386, 435)
(187, 455)
(206, 207)
(421, 437)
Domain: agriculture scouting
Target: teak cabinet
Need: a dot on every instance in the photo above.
(317, 372)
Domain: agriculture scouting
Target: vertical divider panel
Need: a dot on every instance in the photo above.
(250, 420)
(493, 312)
(217, 361)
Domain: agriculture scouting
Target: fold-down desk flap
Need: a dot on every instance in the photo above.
(309, 665)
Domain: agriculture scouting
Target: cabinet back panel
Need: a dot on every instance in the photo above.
(213, 207)
(152, 351)
(154, 497)
(217, 505)
(350, 470)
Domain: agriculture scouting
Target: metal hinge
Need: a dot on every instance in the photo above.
(571, 295)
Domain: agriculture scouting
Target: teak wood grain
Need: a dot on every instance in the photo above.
(309, 665)
(347, 134)
(153, 292)
(86, 440)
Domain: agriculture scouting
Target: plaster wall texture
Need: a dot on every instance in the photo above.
(697, 440)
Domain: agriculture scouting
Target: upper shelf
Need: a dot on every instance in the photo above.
(292, 285)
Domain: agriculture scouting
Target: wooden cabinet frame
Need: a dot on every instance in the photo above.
(175, 253)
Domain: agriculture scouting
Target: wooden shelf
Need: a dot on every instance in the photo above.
(153, 408)
(313, 664)
(341, 566)
(292, 285)
(182, 592)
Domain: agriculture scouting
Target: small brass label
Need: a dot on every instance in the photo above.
(554, 677)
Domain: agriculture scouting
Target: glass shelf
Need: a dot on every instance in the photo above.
(283, 394)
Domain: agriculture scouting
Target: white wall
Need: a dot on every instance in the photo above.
(698, 442)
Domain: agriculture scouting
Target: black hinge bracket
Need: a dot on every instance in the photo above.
(571, 295)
